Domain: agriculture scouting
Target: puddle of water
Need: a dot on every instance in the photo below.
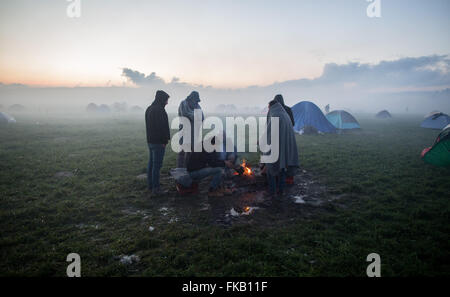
(126, 260)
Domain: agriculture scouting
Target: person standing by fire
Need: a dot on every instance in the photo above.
(186, 109)
(288, 153)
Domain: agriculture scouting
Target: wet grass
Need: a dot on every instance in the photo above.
(390, 203)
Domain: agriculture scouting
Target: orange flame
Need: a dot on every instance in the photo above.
(247, 208)
(247, 170)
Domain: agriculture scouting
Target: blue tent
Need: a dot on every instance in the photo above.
(308, 114)
(436, 121)
(342, 120)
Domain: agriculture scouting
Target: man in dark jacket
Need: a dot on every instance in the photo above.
(158, 135)
(203, 164)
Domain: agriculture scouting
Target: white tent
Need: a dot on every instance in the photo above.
(6, 118)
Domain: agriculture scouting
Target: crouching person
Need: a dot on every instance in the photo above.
(202, 164)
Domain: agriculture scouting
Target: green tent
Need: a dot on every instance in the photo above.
(439, 153)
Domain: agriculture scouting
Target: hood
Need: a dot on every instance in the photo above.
(193, 97)
(161, 98)
(279, 98)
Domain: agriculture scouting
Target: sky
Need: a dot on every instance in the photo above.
(219, 43)
(230, 50)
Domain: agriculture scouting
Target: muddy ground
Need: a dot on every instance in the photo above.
(250, 204)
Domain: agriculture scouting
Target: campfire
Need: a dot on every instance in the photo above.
(244, 169)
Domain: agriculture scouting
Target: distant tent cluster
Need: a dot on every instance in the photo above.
(309, 119)
(115, 107)
(226, 108)
(232, 109)
(15, 108)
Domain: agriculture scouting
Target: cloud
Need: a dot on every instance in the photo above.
(140, 79)
(412, 81)
(420, 71)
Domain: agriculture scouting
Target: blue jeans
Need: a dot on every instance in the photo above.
(215, 172)
(276, 180)
(156, 156)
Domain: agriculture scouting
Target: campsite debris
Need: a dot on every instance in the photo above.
(234, 213)
(142, 176)
(164, 211)
(173, 220)
(127, 260)
(299, 199)
(63, 174)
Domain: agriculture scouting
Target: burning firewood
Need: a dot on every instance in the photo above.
(244, 169)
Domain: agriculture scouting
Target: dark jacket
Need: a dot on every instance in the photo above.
(280, 99)
(156, 120)
(199, 160)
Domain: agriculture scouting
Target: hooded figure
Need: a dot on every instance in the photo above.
(279, 99)
(156, 120)
(186, 109)
(288, 153)
(158, 135)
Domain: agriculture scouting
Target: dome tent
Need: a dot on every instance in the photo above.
(342, 120)
(439, 153)
(6, 119)
(308, 114)
(92, 107)
(436, 121)
(384, 114)
(431, 113)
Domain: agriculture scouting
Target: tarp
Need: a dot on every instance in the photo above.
(439, 153)
(436, 121)
(308, 114)
(342, 120)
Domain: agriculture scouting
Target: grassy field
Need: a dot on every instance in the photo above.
(390, 202)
